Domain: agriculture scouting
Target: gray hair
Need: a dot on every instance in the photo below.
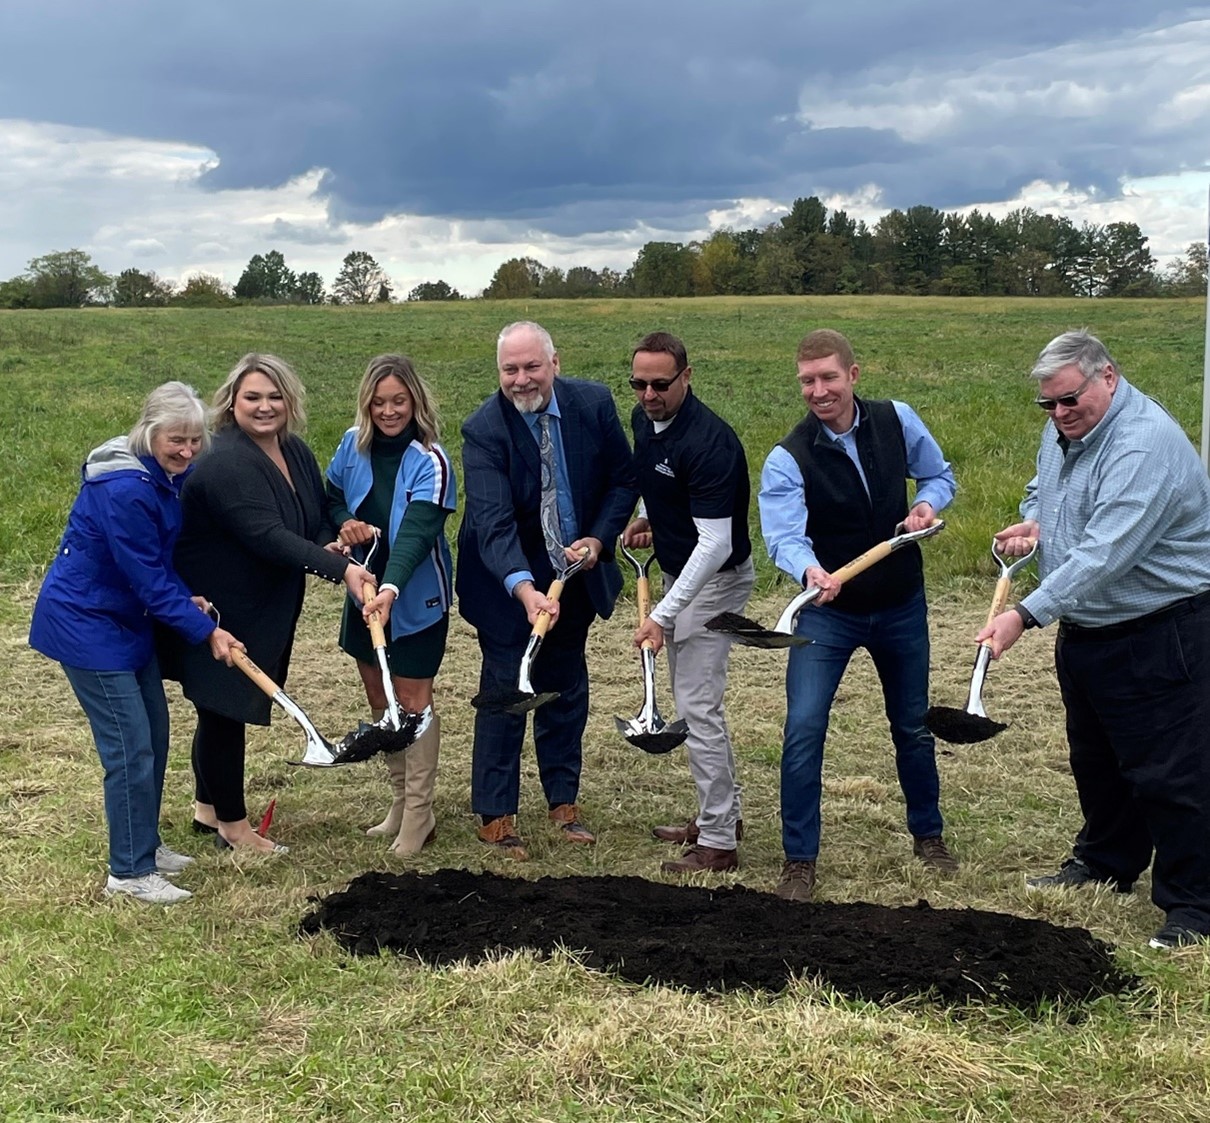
(277, 371)
(548, 344)
(170, 406)
(1081, 347)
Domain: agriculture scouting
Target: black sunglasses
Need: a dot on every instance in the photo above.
(659, 385)
(1067, 401)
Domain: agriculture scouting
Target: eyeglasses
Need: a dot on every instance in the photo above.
(659, 385)
(1067, 401)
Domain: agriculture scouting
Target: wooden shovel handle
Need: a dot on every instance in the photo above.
(542, 623)
(377, 635)
(872, 556)
(643, 595)
(999, 599)
(254, 672)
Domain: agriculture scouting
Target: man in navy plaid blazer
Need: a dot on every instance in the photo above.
(504, 569)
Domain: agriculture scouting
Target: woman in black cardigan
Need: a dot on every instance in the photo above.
(255, 524)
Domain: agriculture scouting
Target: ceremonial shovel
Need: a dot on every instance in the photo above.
(972, 725)
(753, 634)
(525, 698)
(320, 752)
(397, 728)
(648, 731)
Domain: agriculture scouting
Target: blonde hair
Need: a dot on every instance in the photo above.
(170, 406)
(277, 371)
(424, 407)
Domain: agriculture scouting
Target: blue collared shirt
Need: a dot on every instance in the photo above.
(567, 506)
(1124, 514)
(783, 506)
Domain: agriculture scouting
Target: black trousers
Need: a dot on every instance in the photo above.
(218, 764)
(1137, 698)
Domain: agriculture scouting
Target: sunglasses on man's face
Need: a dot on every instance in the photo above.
(1067, 401)
(659, 385)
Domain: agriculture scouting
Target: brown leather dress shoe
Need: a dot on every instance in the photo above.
(934, 854)
(501, 834)
(797, 881)
(567, 818)
(703, 859)
(686, 834)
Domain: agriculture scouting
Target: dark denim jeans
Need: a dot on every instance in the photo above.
(129, 717)
(898, 642)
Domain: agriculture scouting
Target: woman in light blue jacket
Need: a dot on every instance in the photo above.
(390, 476)
(111, 579)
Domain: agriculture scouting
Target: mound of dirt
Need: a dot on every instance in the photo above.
(719, 939)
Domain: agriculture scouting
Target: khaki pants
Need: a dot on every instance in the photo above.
(697, 663)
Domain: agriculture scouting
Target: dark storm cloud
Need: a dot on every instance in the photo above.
(578, 117)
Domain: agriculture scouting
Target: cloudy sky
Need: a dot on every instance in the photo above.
(444, 136)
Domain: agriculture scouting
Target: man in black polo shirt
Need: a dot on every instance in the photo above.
(836, 486)
(693, 476)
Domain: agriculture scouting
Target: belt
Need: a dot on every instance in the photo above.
(1138, 624)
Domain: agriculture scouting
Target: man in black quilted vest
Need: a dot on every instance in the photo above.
(836, 486)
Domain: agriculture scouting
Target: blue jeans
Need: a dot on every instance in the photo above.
(129, 717)
(898, 642)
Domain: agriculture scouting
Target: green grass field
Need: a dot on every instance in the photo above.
(216, 1010)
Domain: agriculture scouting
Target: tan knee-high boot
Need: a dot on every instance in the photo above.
(395, 774)
(419, 825)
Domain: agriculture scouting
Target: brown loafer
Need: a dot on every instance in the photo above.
(797, 881)
(567, 818)
(686, 834)
(703, 859)
(501, 834)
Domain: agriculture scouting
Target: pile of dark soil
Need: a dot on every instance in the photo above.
(719, 939)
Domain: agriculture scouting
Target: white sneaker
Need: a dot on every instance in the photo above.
(169, 861)
(151, 887)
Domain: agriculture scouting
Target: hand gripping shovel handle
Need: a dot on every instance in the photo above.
(255, 673)
(542, 620)
(379, 639)
(860, 564)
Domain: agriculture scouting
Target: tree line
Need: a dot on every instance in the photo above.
(811, 251)
(918, 252)
(70, 279)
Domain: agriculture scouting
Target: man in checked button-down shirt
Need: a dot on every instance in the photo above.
(1120, 508)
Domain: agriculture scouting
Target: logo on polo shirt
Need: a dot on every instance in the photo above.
(665, 469)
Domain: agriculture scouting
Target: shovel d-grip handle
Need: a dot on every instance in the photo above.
(377, 636)
(254, 673)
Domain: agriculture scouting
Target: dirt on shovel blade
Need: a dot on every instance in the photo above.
(512, 701)
(372, 740)
(735, 623)
(656, 743)
(720, 939)
(958, 727)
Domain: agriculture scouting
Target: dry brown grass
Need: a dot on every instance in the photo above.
(258, 1025)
